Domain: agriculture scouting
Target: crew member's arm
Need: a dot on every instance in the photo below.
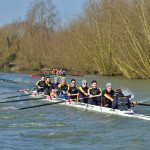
(108, 97)
(89, 93)
(37, 84)
(59, 89)
(82, 91)
(69, 90)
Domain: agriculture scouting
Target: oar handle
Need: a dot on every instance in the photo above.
(88, 97)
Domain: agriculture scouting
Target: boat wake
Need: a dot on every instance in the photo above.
(143, 101)
(128, 92)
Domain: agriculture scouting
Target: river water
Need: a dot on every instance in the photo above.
(59, 127)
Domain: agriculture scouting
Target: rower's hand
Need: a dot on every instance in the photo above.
(112, 100)
(64, 92)
(39, 87)
(100, 94)
(69, 94)
(91, 96)
(86, 94)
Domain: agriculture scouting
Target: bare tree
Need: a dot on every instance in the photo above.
(43, 14)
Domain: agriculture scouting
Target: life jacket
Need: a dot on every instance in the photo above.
(121, 102)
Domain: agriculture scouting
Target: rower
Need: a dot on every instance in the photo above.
(72, 90)
(48, 84)
(83, 92)
(54, 88)
(63, 89)
(41, 84)
(120, 101)
(95, 94)
(63, 73)
(108, 96)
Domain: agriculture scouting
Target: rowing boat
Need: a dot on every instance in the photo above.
(34, 76)
(60, 76)
(78, 75)
(127, 113)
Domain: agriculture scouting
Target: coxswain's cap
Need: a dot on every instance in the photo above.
(84, 82)
(108, 85)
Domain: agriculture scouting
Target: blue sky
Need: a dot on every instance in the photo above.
(11, 10)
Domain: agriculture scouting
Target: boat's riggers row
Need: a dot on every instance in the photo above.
(46, 97)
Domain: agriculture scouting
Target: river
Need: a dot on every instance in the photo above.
(59, 127)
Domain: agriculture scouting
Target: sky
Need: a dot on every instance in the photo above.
(11, 10)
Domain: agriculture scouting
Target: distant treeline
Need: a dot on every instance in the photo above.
(110, 37)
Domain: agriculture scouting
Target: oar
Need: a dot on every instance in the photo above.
(21, 90)
(46, 104)
(8, 92)
(28, 99)
(142, 104)
(11, 81)
(16, 96)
